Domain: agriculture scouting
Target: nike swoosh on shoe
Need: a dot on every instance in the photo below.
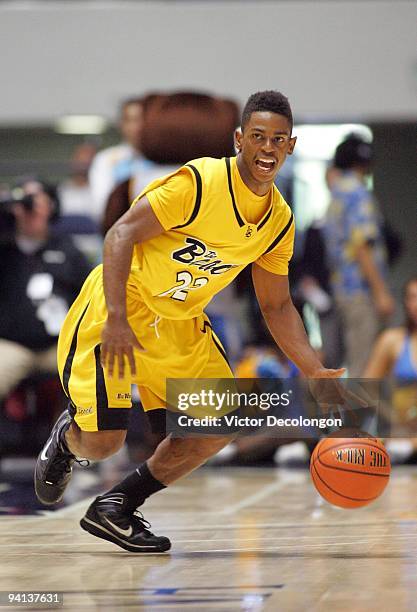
(44, 456)
(125, 532)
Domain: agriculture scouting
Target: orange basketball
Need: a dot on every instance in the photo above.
(350, 472)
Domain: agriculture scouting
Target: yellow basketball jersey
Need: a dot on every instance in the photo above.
(208, 240)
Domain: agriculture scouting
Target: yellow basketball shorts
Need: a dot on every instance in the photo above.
(173, 349)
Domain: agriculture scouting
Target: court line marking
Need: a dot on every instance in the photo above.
(169, 590)
(312, 525)
(369, 540)
(246, 502)
(383, 534)
(269, 549)
(83, 503)
(78, 544)
(158, 520)
(254, 498)
(207, 550)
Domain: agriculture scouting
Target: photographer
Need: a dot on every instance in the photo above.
(41, 272)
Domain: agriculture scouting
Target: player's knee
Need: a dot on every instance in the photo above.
(102, 444)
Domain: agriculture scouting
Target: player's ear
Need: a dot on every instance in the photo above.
(291, 146)
(238, 139)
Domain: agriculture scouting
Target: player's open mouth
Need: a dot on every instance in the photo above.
(265, 165)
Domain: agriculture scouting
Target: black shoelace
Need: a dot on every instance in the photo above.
(138, 518)
(124, 518)
(62, 465)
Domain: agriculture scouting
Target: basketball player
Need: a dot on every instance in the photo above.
(140, 317)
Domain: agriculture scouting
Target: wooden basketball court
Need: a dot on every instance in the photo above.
(243, 539)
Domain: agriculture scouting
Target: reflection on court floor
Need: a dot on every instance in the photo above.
(243, 539)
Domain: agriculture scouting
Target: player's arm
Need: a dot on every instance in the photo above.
(164, 207)
(285, 324)
(383, 300)
(138, 224)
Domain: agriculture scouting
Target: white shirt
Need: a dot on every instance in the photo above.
(77, 200)
(109, 168)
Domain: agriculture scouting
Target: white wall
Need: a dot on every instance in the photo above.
(354, 60)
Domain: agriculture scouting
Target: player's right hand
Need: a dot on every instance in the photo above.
(118, 341)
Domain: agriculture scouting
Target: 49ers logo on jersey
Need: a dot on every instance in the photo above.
(197, 254)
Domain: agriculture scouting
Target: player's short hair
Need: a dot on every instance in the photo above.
(267, 101)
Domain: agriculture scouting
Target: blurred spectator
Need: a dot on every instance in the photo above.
(122, 196)
(310, 279)
(176, 127)
(40, 275)
(116, 164)
(395, 351)
(74, 193)
(223, 311)
(356, 253)
(395, 356)
(254, 329)
(264, 361)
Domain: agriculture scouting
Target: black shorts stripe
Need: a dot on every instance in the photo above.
(107, 418)
(205, 325)
(221, 350)
(66, 374)
(280, 235)
(262, 223)
(197, 198)
(232, 195)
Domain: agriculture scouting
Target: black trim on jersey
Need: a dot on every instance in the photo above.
(107, 418)
(232, 195)
(280, 235)
(197, 198)
(66, 372)
(262, 223)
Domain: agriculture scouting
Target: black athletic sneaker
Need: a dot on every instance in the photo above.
(54, 465)
(108, 518)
